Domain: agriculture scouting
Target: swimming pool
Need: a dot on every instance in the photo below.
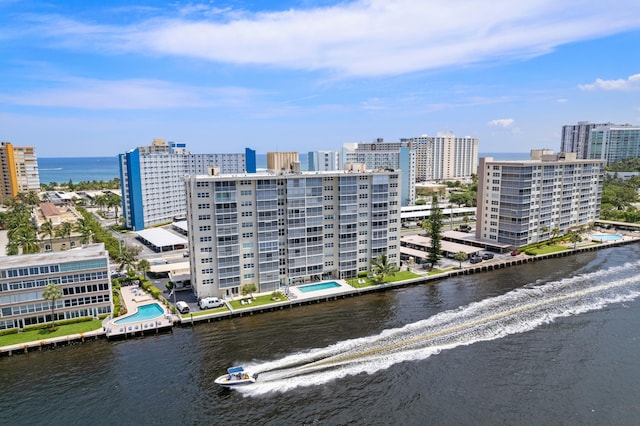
(145, 312)
(319, 286)
(606, 237)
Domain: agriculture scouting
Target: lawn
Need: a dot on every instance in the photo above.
(366, 282)
(545, 249)
(205, 312)
(257, 301)
(44, 333)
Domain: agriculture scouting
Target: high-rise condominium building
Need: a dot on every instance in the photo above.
(444, 157)
(380, 155)
(82, 274)
(152, 192)
(19, 170)
(614, 143)
(273, 229)
(523, 202)
(282, 161)
(575, 137)
(323, 161)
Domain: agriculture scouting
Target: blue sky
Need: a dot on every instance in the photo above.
(84, 78)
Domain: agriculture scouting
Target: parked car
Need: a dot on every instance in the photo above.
(487, 256)
(182, 307)
(210, 302)
(515, 253)
(475, 259)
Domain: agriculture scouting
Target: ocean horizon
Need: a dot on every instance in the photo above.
(78, 169)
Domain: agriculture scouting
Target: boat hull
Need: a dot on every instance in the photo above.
(230, 382)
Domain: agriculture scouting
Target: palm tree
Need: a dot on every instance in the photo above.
(381, 267)
(84, 228)
(64, 231)
(52, 292)
(555, 232)
(543, 230)
(128, 257)
(100, 201)
(575, 238)
(461, 257)
(46, 229)
(113, 200)
(144, 266)
(28, 240)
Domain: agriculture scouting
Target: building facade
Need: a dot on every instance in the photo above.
(323, 161)
(278, 229)
(282, 162)
(575, 138)
(614, 143)
(18, 170)
(82, 274)
(523, 202)
(382, 155)
(152, 192)
(444, 157)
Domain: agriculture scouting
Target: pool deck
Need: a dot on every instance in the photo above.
(293, 292)
(133, 297)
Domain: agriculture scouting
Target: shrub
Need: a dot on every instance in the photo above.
(363, 274)
(9, 331)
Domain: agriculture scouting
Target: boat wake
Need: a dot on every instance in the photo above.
(515, 312)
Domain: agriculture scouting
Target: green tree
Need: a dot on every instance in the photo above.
(46, 229)
(113, 201)
(461, 257)
(382, 267)
(433, 225)
(128, 257)
(144, 266)
(64, 231)
(575, 238)
(52, 292)
(248, 289)
(84, 228)
(460, 199)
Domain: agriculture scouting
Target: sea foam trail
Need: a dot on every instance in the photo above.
(518, 311)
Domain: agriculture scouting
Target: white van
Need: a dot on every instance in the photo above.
(210, 302)
(182, 307)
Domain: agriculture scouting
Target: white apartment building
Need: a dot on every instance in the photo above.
(323, 161)
(81, 273)
(444, 157)
(523, 202)
(277, 229)
(152, 192)
(385, 155)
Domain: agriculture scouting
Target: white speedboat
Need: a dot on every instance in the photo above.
(235, 376)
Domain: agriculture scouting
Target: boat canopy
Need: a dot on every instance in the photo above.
(235, 370)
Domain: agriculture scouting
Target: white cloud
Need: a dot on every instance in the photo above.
(631, 83)
(502, 122)
(562, 100)
(363, 37)
(128, 95)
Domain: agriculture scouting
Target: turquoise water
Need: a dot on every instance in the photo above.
(144, 313)
(319, 286)
(606, 237)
